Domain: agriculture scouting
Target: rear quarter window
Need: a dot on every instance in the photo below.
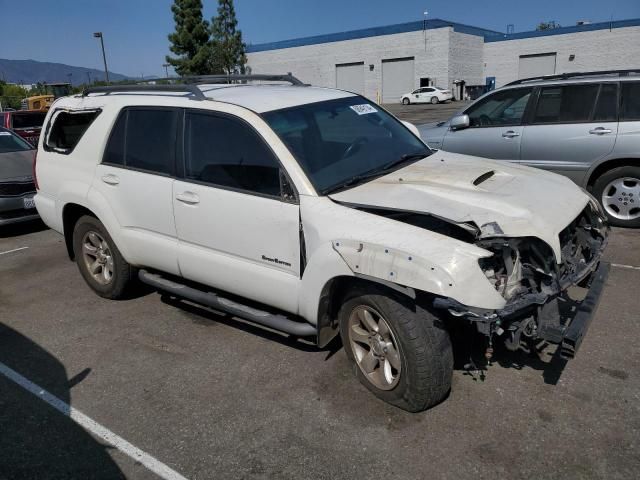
(66, 128)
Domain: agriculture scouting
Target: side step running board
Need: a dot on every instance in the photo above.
(210, 299)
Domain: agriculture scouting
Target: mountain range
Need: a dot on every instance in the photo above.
(31, 71)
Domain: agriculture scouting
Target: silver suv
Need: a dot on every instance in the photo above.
(582, 125)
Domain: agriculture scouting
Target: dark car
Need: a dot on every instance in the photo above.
(26, 123)
(17, 187)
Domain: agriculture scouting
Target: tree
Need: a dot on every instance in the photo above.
(227, 48)
(551, 24)
(190, 41)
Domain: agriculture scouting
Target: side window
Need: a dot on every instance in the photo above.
(144, 139)
(607, 104)
(500, 109)
(565, 104)
(630, 101)
(114, 153)
(226, 152)
(67, 128)
(151, 139)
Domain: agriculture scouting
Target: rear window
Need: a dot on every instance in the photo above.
(68, 128)
(28, 120)
(10, 142)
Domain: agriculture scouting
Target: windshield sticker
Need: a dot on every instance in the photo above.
(363, 109)
(5, 134)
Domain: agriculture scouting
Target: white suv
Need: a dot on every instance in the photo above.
(314, 211)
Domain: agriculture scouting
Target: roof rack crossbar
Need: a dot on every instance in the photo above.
(565, 76)
(185, 88)
(239, 78)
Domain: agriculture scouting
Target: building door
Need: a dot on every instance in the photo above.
(350, 77)
(397, 78)
(536, 65)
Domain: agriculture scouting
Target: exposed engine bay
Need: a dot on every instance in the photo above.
(525, 272)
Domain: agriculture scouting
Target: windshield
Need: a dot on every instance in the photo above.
(337, 141)
(10, 142)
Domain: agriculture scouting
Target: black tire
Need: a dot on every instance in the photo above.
(423, 345)
(406, 101)
(434, 100)
(602, 183)
(123, 275)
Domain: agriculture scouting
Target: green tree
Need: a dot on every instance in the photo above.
(551, 24)
(227, 48)
(190, 41)
(11, 95)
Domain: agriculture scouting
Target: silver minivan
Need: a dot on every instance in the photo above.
(582, 125)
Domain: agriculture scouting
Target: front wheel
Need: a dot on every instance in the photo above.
(100, 262)
(405, 101)
(618, 191)
(400, 351)
(434, 100)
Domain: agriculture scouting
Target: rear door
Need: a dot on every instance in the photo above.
(135, 179)
(570, 127)
(426, 94)
(495, 126)
(628, 142)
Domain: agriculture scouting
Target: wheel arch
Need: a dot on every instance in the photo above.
(607, 165)
(71, 213)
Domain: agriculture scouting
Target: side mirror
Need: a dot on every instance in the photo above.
(459, 122)
(412, 127)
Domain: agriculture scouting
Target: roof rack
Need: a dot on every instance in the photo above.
(189, 84)
(241, 78)
(185, 88)
(566, 76)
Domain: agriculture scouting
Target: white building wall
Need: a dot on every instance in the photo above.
(316, 64)
(594, 50)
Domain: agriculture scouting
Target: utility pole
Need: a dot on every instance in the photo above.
(166, 69)
(104, 57)
(425, 29)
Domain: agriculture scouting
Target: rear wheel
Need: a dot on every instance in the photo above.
(405, 101)
(400, 351)
(434, 100)
(100, 262)
(618, 190)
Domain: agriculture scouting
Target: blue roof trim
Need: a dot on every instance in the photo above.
(633, 22)
(372, 32)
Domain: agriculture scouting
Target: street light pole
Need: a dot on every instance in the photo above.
(104, 57)
(166, 69)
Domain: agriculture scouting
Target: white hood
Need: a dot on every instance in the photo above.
(522, 201)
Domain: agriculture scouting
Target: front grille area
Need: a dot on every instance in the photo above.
(16, 189)
(582, 243)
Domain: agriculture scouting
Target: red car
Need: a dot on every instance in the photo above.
(26, 123)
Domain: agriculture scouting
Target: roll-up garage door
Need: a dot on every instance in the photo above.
(350, 77)
(397, 79)
(536, 65)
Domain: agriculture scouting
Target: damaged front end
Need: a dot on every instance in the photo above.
(545, 299)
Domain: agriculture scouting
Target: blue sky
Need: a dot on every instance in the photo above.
(135, 31)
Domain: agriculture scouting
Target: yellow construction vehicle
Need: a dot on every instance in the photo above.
(44, 101)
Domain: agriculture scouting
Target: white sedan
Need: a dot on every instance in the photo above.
(427, 95)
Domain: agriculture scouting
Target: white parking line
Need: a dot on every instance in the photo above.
(92, 426)
(630, 267)
(14, 250)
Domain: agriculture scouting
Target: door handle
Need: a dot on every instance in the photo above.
(600, 131)
(510, 134)
(189, 198)
(111, 179)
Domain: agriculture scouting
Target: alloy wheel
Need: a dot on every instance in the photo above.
(374, 347)
(621, 198)
(97, 257)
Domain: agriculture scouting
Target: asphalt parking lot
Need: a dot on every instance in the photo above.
(209, 396)
(425, 113)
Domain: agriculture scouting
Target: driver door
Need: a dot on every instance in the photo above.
(495, 126)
